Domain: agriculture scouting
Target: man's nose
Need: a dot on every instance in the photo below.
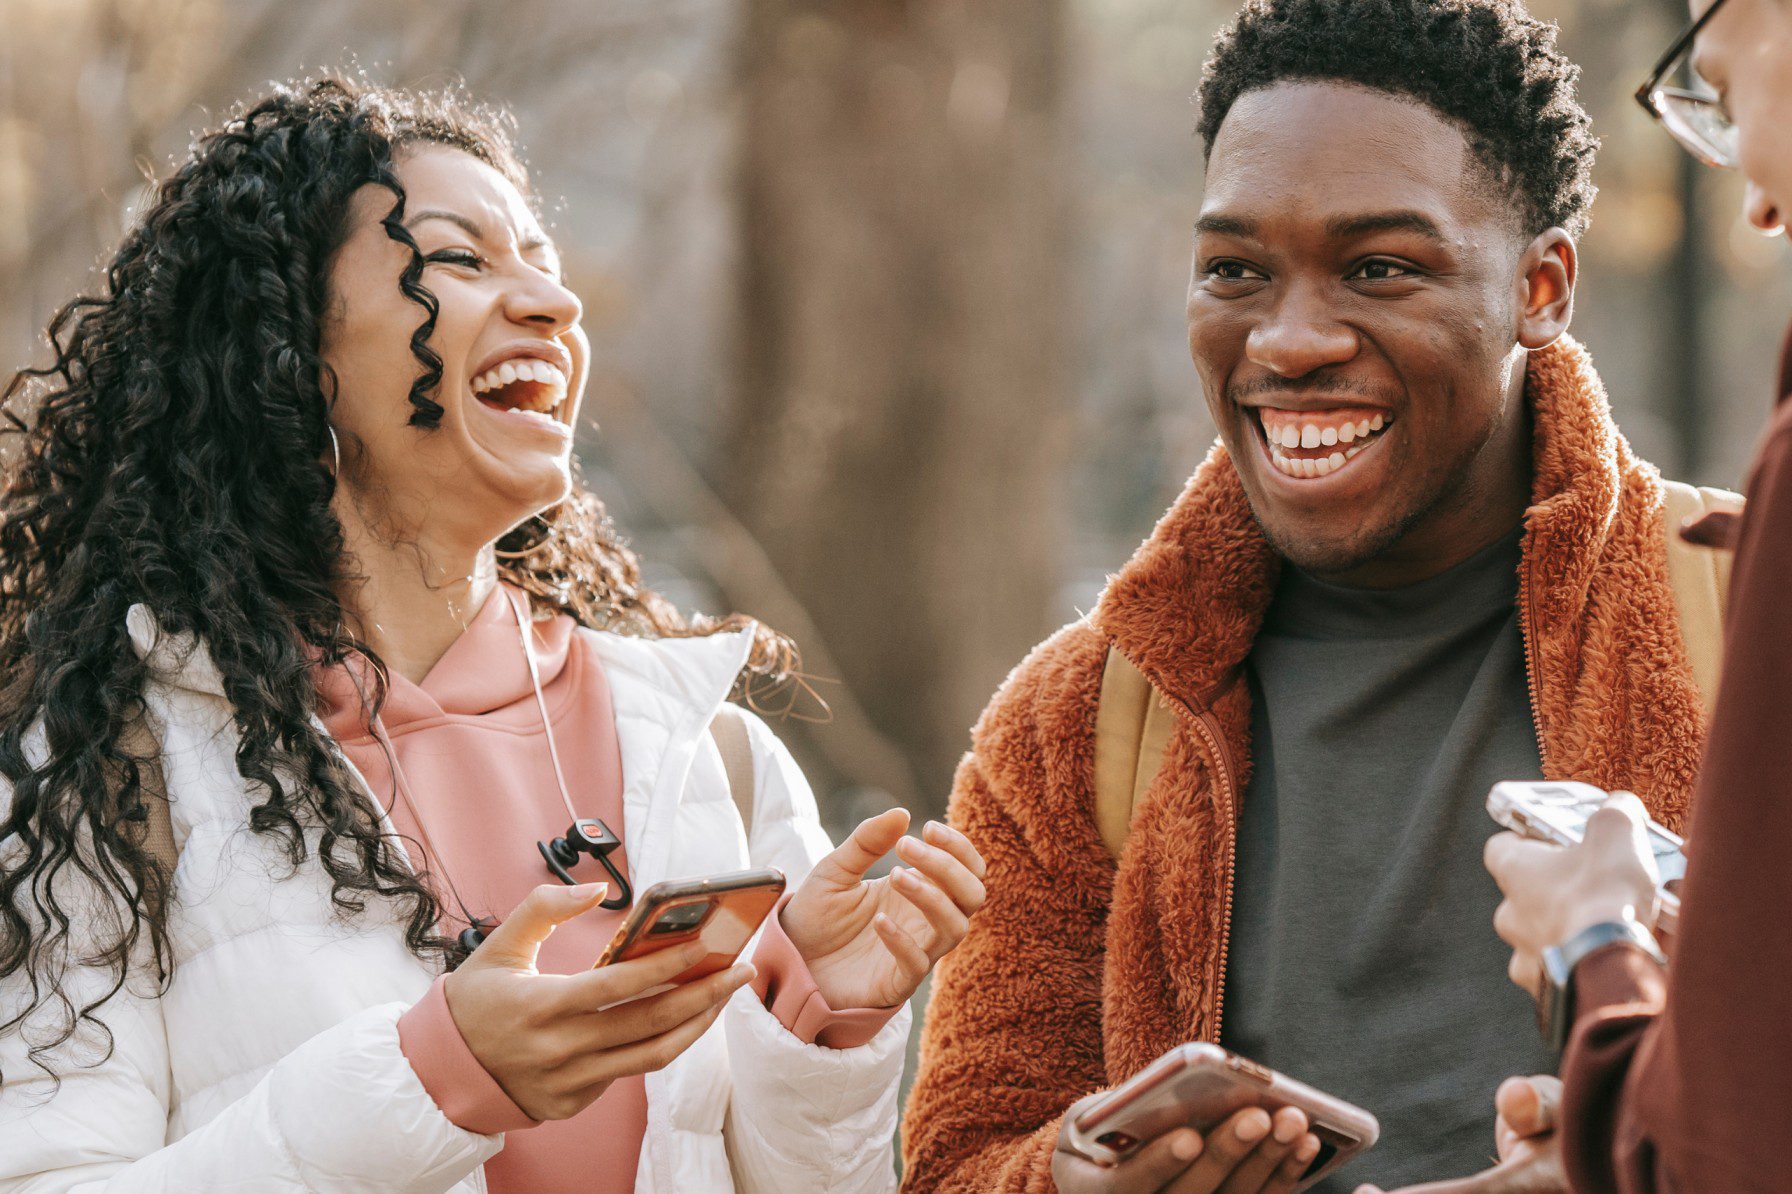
(1298, 337)
(1762, 211)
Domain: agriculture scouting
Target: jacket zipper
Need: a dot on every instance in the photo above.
(1223, 786)
(1205, 724)
(1527, 621)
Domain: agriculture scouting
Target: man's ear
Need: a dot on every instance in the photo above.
(1546, 274)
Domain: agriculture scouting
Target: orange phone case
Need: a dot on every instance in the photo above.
(723, 911)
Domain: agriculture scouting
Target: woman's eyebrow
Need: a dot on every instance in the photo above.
(470, 227)
(527, 244)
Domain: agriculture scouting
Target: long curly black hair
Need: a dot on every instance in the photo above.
(175, 452)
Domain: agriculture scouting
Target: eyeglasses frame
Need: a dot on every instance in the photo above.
(1645, 95)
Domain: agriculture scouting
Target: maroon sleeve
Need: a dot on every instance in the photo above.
(1699, 1097)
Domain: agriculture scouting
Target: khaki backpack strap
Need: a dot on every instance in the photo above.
(1700, 577)
(729, 729)
(1132, 727)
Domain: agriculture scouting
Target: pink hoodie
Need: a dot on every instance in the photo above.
(470, 742)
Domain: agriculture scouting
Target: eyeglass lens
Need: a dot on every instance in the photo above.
(1700, 124)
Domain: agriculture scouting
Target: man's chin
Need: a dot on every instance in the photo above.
(1333, 551)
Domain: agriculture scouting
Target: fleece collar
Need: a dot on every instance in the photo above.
(1596, 603)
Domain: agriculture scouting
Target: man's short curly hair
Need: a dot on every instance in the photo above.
(1486, 65)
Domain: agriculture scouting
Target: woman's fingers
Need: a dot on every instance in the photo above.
(946, 870)
(956, 844)
(600, 1067)
(603, 985)
(515, 942)
(869, 841)
(913, 961)
(655, 1015)
(949, 924)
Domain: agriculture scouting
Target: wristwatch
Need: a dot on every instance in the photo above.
(1555, 1003)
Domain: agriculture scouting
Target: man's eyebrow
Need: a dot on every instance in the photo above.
(1346, 227)
(1219, 225)
(528, 244)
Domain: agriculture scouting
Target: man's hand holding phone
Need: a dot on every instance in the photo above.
(543, 1038)
(1552, 892)
(1250, 1152)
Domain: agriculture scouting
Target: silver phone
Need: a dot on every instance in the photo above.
(1558, 810)
(1198, 1085)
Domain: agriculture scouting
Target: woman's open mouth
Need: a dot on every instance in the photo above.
(1308, 445)
(522, 385)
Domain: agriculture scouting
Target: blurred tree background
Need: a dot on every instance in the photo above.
(885, 294)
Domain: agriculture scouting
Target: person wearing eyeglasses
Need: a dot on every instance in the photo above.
(1680, 1078)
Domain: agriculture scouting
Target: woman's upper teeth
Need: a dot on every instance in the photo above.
(520, 369)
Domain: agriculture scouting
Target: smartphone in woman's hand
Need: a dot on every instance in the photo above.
(722, 911)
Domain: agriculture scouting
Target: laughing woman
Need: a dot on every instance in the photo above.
(290, 534)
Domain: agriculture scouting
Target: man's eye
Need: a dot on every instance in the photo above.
(1231, 271)
(1382, 271)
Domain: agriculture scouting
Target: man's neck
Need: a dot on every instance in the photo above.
(412, 596)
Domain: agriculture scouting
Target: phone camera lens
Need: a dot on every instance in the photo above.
(681, 919)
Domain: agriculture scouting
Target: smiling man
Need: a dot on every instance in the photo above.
(1421, 559)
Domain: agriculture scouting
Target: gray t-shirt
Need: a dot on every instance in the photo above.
(1363, 958)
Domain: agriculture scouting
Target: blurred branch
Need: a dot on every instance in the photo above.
(659, 475)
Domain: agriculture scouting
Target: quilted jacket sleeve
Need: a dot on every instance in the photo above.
(342, 1112)
(802, 1116)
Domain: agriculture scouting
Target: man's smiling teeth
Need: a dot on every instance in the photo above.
(1312, 467)
(1311, 435)
(1286, 431)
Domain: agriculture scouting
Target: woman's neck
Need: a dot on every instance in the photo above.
(411, 599)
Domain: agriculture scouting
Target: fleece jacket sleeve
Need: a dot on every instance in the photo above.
(1013, 1033)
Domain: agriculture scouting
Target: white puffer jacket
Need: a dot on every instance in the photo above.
(272, 1063)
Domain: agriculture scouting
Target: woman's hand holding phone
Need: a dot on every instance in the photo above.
(543, 1038)
(1251, 1152)
(870, 942)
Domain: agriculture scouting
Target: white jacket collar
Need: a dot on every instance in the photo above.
(696, 673)
(177, 659)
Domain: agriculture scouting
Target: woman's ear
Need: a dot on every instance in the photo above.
(1546, 277)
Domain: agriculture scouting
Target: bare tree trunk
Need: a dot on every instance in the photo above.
(901, 412)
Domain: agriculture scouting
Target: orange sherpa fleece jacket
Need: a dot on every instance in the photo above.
(1077, 974)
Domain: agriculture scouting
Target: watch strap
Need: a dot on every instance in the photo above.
(1555, 1007)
